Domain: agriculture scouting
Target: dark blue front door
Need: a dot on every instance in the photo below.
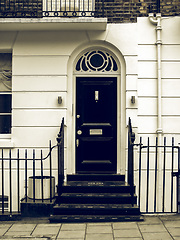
(96, 124)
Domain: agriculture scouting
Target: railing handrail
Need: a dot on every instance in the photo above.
(131, 139)
(38, 159)
(28, 159)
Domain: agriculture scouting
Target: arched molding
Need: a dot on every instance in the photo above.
(121, 99)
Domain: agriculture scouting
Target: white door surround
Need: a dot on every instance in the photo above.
(121, 99)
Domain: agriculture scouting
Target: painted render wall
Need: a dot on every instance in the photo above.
(42, 72)
(147, 105)
(147, 77)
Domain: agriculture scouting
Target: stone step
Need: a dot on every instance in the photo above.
(95, 177)
(96, 186)
(111, 198)
(94, 218)
(95, 209)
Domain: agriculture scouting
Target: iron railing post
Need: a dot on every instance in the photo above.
(10, 183)
(102, 8)
(140, 166)
(172, 170)
(26, 175)
(42, 176)
(155, 174)
(18, 182)
(178, 182)
(34, 176)
(50, 171)
(2, 182)
(60, 145)
(147, 177)
(131, 139)
(158, 5)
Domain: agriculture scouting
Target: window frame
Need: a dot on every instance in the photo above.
(8, 113)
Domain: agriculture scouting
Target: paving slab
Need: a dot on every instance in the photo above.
(132, 233)
(99, 223)
(3, 231)
(18, 234)
(46, 230)
(4, 228)
(157, 236)
(172, 223)
(73, 226)
(6, 225)
(67, 238)
(22, 228)
(99, 236)
(175, 232)
(150, 220)
(25, 238)
(128, 238)
(71, 234)
(170, 217)
(125, 225)
(99, 229)
(152, 228)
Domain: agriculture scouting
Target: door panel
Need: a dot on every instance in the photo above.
(96, 124)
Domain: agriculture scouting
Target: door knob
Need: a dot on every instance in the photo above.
(78, 116)
(79, 132)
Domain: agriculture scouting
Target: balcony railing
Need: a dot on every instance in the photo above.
(51, 8)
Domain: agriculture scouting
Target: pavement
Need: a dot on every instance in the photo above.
(157, 227)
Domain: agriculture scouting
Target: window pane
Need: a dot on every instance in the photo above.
(5, 124)
(5, 103)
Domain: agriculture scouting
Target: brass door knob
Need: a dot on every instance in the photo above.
(79, 132)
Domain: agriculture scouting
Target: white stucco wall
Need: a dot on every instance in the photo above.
(43, 70)
(147, 76)
(147, 116)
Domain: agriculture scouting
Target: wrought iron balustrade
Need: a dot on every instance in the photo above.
(159, 176)
(154, 168)
(51, 8)
(28, 176)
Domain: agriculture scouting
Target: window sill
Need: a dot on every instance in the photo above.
(6, 143)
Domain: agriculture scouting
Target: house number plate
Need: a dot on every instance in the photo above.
(95, 132)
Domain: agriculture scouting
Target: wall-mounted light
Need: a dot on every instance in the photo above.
(59, 99)
(133, 99)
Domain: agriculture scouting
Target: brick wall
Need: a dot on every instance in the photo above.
(116, 11)
(128, 10)
(18, 8)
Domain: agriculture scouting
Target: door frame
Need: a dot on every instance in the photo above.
(70, 165)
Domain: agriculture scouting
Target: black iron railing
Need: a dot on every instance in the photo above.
(51, 8)
(131, 139)
(21, 8)
(156, 175)
(24, 175)
(60, 144)
(158, 166)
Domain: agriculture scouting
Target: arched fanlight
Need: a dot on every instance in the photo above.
(96, 61)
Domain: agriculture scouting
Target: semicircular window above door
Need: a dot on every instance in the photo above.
(96, 61)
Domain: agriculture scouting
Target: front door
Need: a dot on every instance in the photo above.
(96, 125)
